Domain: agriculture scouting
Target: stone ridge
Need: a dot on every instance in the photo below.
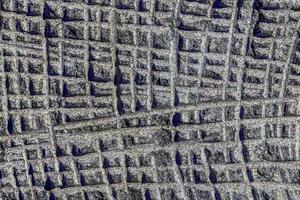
(149, 99)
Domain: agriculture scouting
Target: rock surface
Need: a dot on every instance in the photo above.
(149, 99)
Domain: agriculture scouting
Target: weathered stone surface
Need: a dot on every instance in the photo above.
(149, 99)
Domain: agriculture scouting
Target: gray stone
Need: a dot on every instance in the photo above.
(149, 99)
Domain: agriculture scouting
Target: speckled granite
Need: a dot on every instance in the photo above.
(149, 99)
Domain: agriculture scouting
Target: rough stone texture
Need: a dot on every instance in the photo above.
(149, 99)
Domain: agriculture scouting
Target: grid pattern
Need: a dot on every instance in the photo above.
(149, 99)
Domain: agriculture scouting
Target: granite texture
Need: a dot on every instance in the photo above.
(149, 99)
